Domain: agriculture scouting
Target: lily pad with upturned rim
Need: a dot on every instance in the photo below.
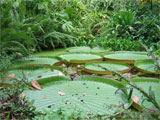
(51, 53)
(80, 57)
(37, 61)
(85, 93)
(40, 74)
(119, 67)
(126, 56)
(145, 83)
(86, 49)
(147, 66)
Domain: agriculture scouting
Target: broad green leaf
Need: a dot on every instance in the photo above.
(80, 57)
(147, 66)
(127, 56)
(35, 74)
(37, 61)
(51, 53)
(85, 93)
(87, 49)
(145, 84)
(93, 67)
(79, 49)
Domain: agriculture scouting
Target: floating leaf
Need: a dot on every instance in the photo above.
(145, 84)
(38, 60)
(94, 67)
(126, 56)
(147, 66)
(86, 49)
(36, 73)
(82, 93)
(80, 57)
(51, 53)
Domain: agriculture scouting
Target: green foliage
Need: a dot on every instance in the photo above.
(28, 26)
(117, 44)
(13, 105)
(30, 29)
(7, 60)
(36, 25)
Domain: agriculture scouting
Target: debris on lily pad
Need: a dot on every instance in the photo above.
(61, 93)
(36, 85)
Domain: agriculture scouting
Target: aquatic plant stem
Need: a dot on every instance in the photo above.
(152, 55)
(150, 98)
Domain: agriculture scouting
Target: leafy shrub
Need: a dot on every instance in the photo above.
(133, 26)
(33, 28)
(13, 105)
(118, 44)
(37, 25)
(13, 38)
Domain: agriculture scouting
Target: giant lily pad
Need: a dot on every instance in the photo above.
(51, 53)
(80, 57)
(35, 73)
(95, 95)
(94, 67)
(126, 56)
(86, 49)
(147, 66)
(145, 84)
(37, 61)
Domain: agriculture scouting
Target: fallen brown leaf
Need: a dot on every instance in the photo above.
(10, 77)
(135, 99)
(23, 95)
(31, 88)
(78, 66)
(39, 76)
(60, 73)
(43, 97)
(36, 85)
(85, 93)
(61, 93)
